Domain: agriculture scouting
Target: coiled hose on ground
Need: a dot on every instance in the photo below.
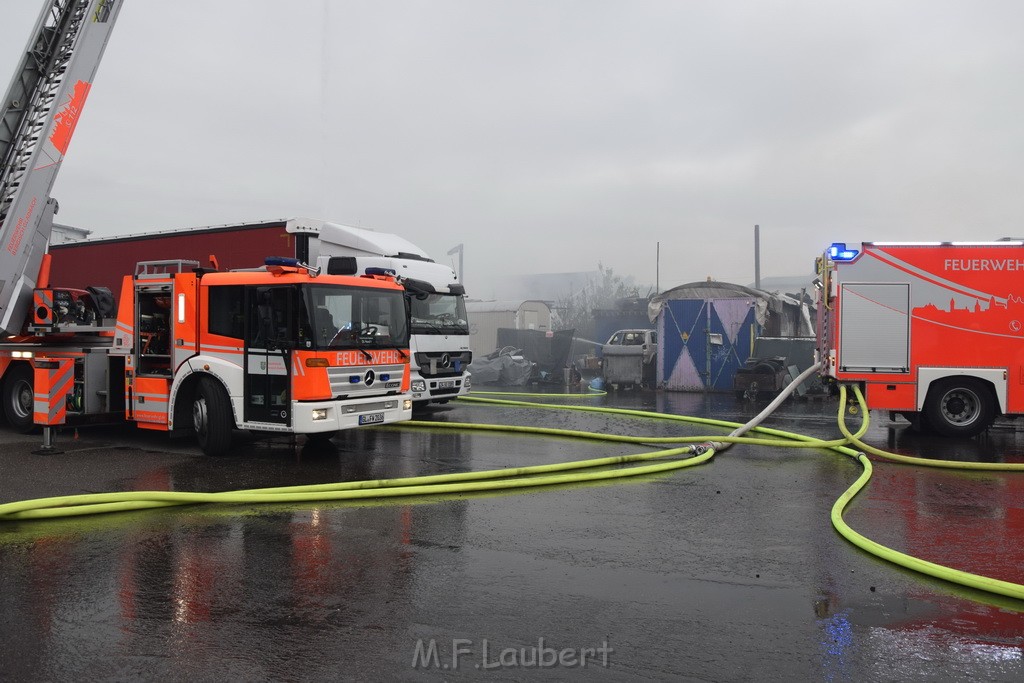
(700, 450)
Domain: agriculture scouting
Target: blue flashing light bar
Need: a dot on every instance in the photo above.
(282, 261)
(839, 252)
(286, 262)
(381, 271)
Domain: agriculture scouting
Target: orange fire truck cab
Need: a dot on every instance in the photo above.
(278, 349)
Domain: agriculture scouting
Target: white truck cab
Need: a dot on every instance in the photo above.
(435, 300)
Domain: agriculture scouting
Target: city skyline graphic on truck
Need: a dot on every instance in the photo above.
(955, 304)
(65, 120)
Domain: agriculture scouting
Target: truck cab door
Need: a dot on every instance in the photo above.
(151, 357)
(267, 390)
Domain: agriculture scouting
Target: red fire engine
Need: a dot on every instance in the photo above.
(933, 331)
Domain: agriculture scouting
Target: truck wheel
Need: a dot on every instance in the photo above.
(959, 406)
(19, 398)
(211, 417)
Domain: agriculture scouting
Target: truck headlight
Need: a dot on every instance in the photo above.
(466, 383)
(419, 385)
(407, 404)
(319, 414)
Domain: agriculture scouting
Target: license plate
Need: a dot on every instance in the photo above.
(450, 384)
(371, 418)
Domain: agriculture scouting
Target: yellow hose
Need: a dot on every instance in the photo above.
(553, 474)
(945, 573)
(984, 583)
(442, 484)
(591, 393)
(445, 484)
(792, 440)
(927, 462)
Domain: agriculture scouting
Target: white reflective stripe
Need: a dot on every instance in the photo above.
(153, 397)
(125, 333)
(41, 406)
(217, 347)
(151, 403)
(232, 358)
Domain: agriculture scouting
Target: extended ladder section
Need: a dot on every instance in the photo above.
(38, 116)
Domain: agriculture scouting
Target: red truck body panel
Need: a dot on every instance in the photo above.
(102, 262)
(900, 317)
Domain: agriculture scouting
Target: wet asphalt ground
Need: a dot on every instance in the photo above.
(726, 571)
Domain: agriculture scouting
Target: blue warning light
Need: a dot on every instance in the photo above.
(839, 252)
(282, 261)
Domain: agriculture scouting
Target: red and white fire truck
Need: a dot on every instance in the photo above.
(273, 348)
(439, 355)
(933, 331)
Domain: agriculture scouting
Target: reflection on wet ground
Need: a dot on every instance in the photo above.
(727, 571)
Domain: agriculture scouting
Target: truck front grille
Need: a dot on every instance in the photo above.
(443, 364)
(365, 380)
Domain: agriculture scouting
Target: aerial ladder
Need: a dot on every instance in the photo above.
(38, 116)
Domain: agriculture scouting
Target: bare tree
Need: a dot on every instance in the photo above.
(575, 311)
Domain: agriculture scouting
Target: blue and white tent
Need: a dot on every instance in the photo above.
(706, 331)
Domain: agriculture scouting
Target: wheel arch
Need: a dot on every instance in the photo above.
(7, 364)
(994, 378)
(184, 394)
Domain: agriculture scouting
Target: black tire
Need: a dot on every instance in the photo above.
(959, 406)
(212, 418)
(19, 398)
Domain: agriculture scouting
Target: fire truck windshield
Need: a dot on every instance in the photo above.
(349, 317)
(438, 314)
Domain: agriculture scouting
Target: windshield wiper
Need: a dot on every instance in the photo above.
(423, 322)
(356, 345)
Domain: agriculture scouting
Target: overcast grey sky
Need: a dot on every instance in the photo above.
(551, 135)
